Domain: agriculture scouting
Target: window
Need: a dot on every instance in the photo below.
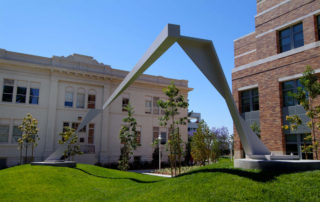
(250, 100)
(155, 133)
(148, 105)
(80, 98)
(291, 37)
(34, 96)
(318, 26)
(34, 93)
(4, 133)
(16, 134)
(138, 134)
(65, 124)
(163, 137)
(287, 88)
(7, 90)
(21, 92)
(91, 133)
(75, 125)
(92, 99)
(69, 98)
(294, 142)
(155, 105)
(125, 102)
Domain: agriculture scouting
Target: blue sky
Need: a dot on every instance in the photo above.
(117, 33)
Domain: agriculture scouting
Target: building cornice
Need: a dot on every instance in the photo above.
(81, 65)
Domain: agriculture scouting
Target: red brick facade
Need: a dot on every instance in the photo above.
(258, 61)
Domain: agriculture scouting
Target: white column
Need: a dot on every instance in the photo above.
(51, 120)
(104, 125)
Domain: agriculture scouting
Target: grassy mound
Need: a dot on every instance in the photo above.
(215, 182)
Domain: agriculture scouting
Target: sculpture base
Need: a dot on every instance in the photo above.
(275, 165)
(70, 164)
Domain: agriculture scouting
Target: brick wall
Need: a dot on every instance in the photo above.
(265, 43)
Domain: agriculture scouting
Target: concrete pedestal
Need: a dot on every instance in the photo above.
(277, 164)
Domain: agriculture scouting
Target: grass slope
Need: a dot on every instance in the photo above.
(220, 182)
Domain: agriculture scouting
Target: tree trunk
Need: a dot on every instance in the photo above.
(32, 146)
(314, 141)
(26, 156)
(20, 154)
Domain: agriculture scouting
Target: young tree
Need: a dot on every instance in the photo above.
(222, 135)
(69, 137)
(256, 129)
(306, 98)
(200, 149)
(205, 146)
(29, 129)
(171, 109)
(129, 138)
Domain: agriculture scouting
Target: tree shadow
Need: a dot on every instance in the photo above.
(259, 176)
(115, 178)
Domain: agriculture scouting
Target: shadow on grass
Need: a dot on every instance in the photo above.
(259, 176)
(116, 178)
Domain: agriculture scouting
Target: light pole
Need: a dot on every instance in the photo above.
(159, 140)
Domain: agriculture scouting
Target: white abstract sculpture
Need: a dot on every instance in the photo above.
(203, 54)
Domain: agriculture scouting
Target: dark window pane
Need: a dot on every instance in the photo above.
(292, 149)
(21, 99)
(22, 90)
(7, 97)
(255, 102)
(245, 94)
(288, 85)
(285, 33)
(285, 41)
(163, 137)
(21, 95)
(255, 92)
(291, 37)
(250, 100)
(91, 101)
(125, 102)
(297, 28)
(285, 48)
(7, 89)
(291, 138)
(7, 92)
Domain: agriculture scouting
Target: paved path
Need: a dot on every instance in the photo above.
(149, 172)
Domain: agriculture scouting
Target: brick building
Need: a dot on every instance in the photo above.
(268, 64)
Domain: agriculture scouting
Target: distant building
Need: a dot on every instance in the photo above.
(268, 64)
(193, 121)
(59, 91)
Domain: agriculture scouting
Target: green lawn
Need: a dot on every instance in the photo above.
(219, 182)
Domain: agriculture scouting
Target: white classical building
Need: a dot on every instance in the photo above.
(59, 91)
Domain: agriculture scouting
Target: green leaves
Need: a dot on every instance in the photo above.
(128, 137)
(305, 96)
(70, 138)
(171, 108)
(29, 129)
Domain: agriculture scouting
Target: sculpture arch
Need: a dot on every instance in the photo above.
(204, 56)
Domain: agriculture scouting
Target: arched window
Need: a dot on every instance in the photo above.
(92, 99)
(68, 102)
(80, 98)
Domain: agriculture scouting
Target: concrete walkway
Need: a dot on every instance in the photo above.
(149, 172)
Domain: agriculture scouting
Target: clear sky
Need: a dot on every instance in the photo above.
(117, 33)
